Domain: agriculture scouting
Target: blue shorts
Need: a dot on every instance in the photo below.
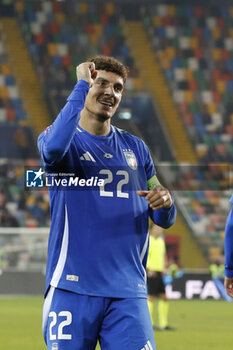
(76, 322)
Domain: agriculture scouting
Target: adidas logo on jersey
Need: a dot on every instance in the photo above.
(147, 346)
(87, 156)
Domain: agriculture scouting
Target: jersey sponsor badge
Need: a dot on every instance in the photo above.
(130, 158)
(72, 278)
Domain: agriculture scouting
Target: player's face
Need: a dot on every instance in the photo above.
(105, 94)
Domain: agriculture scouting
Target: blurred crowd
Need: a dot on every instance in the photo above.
(20, 207)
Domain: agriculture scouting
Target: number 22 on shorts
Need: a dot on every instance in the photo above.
(62, 324)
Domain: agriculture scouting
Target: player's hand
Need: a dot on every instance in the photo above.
(157, 198)
(151, 273)
(86, 71)
(228, 283)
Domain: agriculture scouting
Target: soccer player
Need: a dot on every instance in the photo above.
(228, 242)
(97, 250)
(156, 287)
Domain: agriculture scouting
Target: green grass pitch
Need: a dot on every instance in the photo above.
(200, 325)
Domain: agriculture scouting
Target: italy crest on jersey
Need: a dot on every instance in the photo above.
(130, 158)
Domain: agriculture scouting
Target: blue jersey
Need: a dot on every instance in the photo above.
(98, 240)
(231, 199)
(228, 243)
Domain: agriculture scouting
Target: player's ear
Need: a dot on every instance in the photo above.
(94, 74)
(93, 77)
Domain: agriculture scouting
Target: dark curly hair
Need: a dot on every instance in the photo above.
(110, 64)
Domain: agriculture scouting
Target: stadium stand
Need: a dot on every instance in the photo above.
(16, 136)
(61, 34)
(203, 193)
(19, 207)
(193, 45)
(156, 84)
(11, 109)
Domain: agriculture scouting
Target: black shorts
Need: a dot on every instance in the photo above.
(155, 284)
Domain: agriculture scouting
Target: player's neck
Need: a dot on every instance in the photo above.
(94, 125)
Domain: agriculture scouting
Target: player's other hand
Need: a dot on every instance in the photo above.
(157, 198)
(228, 283)
(86, 71)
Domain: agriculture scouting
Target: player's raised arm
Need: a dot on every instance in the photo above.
(162, 208)
(54, 142)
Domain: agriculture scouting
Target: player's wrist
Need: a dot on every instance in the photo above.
(228, 272)
(83, 82)
(168, 208)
